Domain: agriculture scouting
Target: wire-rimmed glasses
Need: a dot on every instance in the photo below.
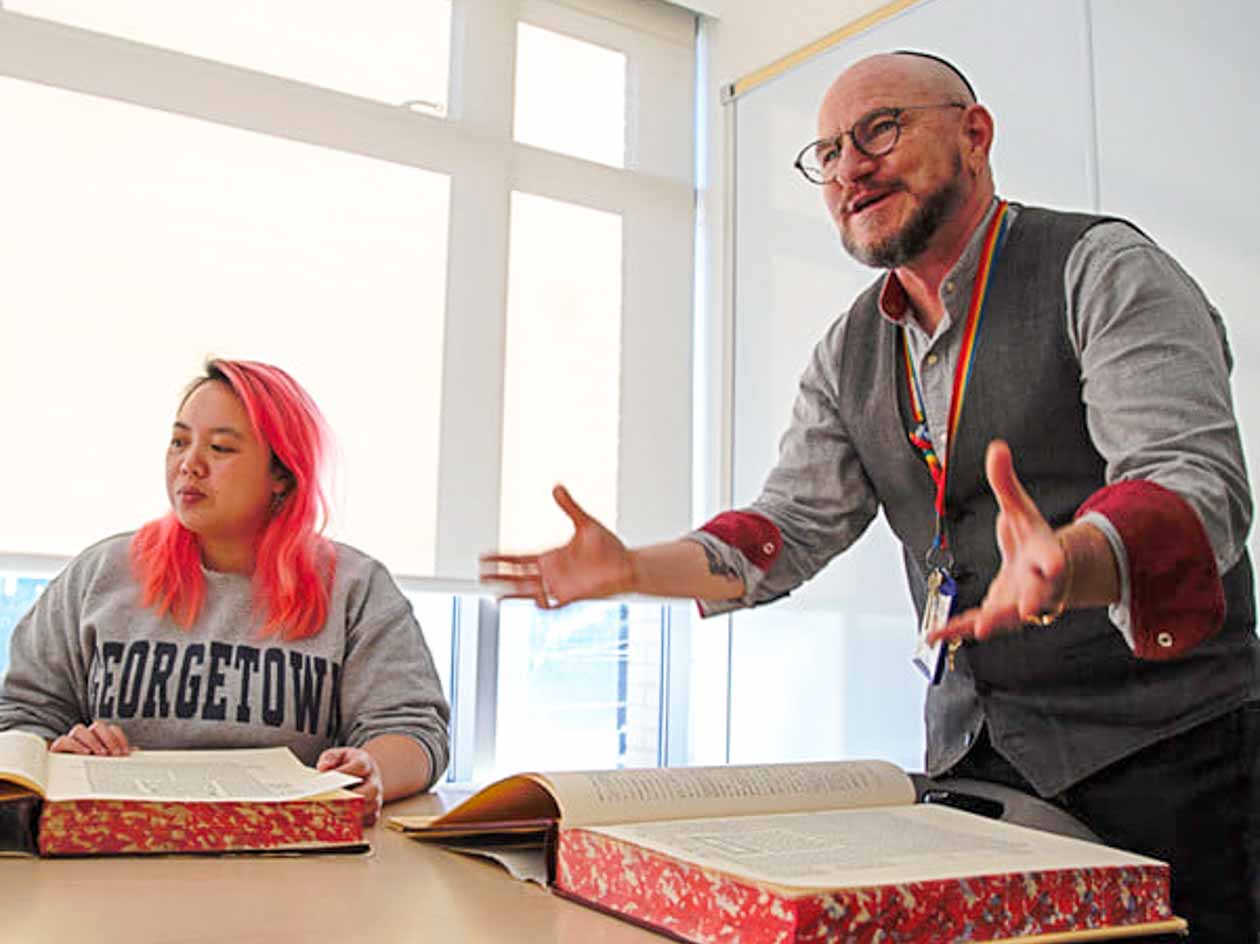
(874, 134)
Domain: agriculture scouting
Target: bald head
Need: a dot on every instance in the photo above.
(900, 77)
(931, 57)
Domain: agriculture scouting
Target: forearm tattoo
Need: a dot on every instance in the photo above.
(717, 566)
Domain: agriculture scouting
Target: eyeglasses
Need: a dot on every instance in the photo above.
(874, 134)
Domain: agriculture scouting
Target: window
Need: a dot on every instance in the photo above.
(579, 687)
(562, 380)
(184, 239)
(391, 50)
(388, 201)
(846, 669)
(364, 246)
(438, 615)
(570, 96)
(18, 592)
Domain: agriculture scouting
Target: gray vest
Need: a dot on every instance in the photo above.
(1060, 702)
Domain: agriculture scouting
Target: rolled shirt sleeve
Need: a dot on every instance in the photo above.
(1155, 368)
(1173, 593)
(1155, 365)
(815, 503)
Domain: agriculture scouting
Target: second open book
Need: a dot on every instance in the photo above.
(239, 800)
(786, 852)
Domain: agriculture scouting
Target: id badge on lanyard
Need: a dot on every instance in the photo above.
(930, 659)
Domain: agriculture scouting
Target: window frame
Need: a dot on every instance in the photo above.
(473, 145)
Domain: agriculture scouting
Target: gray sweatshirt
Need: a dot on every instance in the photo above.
(88, 650)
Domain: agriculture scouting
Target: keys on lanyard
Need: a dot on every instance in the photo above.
(932, 660)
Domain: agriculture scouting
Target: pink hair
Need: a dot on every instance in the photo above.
(294, 563)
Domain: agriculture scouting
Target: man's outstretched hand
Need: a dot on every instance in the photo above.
(593, 564)
(1033, 580)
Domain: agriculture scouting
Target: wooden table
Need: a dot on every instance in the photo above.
(401, 891)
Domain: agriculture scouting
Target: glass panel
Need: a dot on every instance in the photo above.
(137, 242)
(848, 673)
(579, 687)
(436, 615)
(570, 96)
(563, 368)
(18, 592)
(699, 683)
(390, 50)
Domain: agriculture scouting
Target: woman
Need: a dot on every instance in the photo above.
(232, 622)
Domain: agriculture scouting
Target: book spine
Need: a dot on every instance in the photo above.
(117, 827)
(704, 906)
(19, 818)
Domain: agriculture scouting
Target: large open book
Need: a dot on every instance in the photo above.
(794, 852)
(170, 801)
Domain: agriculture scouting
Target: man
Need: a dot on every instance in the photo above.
(1102, 653)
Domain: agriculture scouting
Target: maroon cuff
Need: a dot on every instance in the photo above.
(754, 536)
(1176, 600)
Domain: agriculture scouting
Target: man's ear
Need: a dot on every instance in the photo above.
(977, 130)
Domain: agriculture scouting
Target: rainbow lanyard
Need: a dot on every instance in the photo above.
(921, 437)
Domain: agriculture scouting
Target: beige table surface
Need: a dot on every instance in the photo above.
(401, 891)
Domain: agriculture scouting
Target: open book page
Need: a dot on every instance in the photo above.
(249, 775)
(23, 760)
(523, 798)
(628, 796)
(835, 849)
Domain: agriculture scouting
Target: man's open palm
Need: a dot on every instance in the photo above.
(593, 564)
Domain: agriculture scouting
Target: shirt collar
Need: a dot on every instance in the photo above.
(894, 303)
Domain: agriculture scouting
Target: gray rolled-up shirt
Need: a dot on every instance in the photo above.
(1154, 382)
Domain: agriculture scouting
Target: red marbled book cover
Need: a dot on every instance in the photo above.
(122, 827)
(706, 905)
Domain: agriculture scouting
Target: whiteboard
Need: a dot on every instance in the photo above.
(1102, 105)
(1178, 142)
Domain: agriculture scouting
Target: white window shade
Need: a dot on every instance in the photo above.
(666, 20)
(138, 243)
(570, 96)
(162, 207)
(562, 386)
(389, 50)
(654, 198)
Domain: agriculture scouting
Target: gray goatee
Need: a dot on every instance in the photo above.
(903, 246)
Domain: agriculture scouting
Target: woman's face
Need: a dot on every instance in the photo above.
(218, 472)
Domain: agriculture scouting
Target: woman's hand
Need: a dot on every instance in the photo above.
(357, 763)
(100, 738)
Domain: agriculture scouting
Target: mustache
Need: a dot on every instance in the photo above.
(871, 191)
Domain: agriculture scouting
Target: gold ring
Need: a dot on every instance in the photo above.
(1046, 617)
